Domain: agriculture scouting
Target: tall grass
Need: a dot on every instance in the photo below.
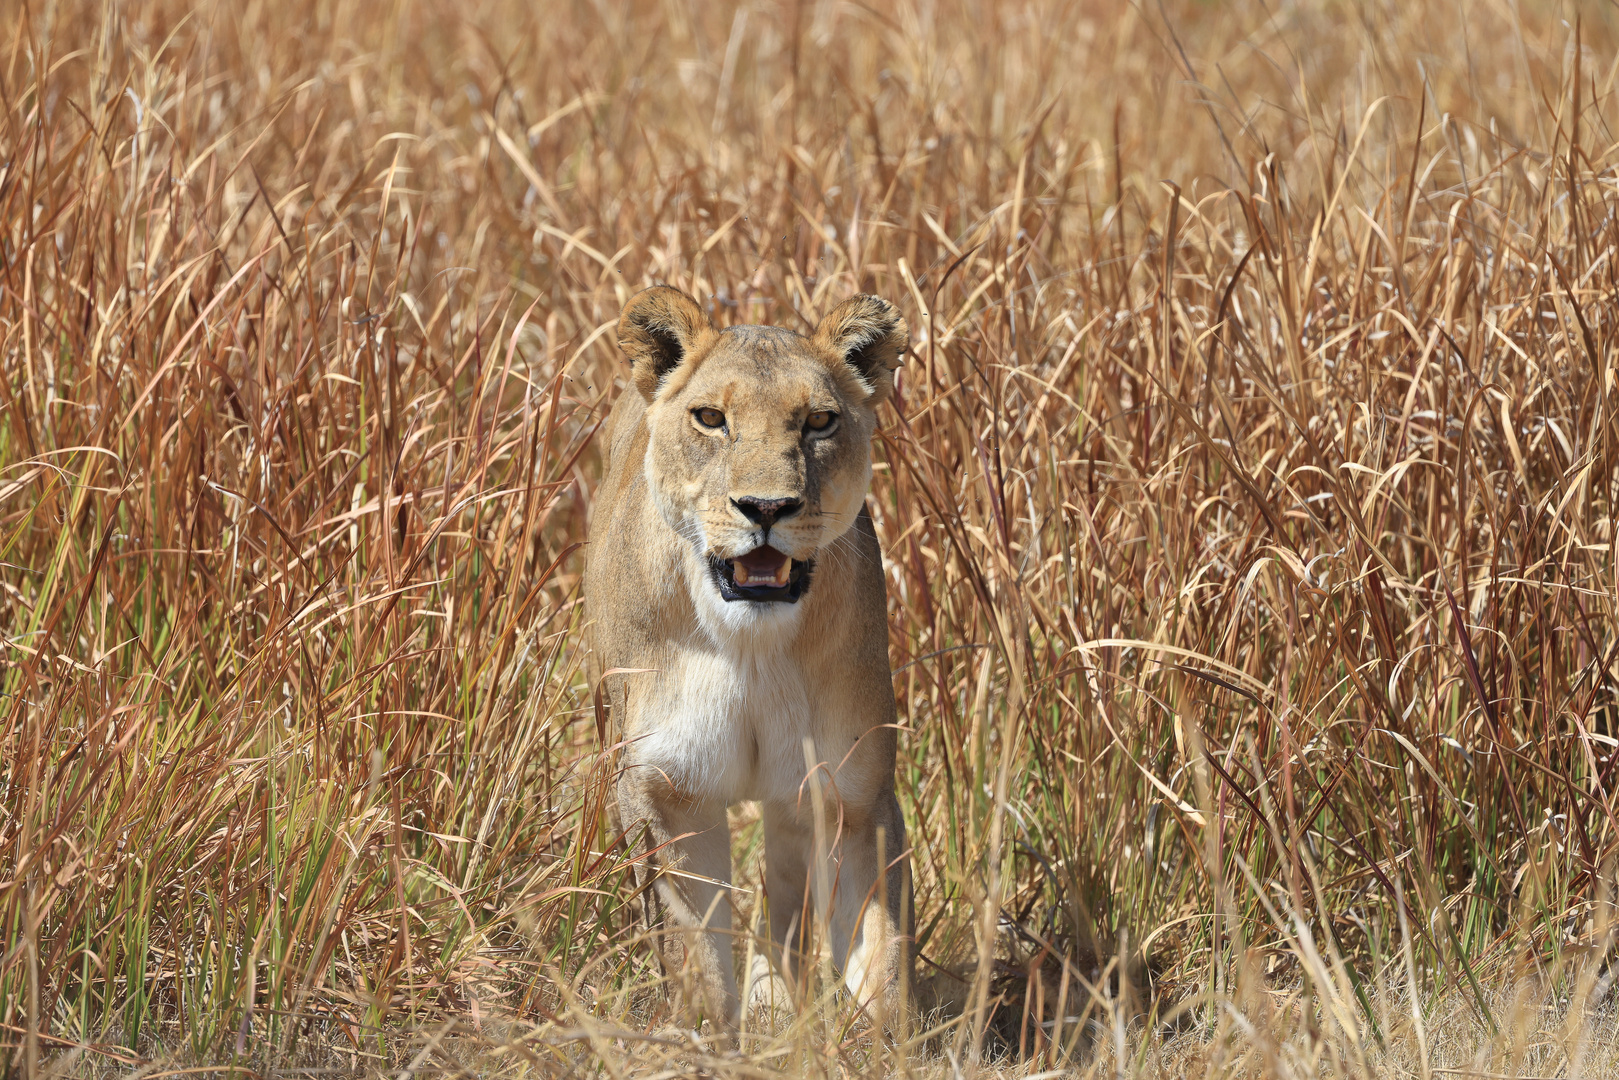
(1248, 505)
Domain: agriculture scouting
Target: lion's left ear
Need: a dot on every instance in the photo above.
(659, 329)
(871, 336)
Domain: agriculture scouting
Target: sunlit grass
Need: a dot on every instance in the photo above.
(1247, 502)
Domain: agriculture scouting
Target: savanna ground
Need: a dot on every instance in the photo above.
(1248, 504)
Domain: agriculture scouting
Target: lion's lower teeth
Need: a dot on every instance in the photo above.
(777, 578)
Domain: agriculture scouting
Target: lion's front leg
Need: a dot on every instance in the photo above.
(789, 845)
(685, 847)
(857, 869)
(871, 917)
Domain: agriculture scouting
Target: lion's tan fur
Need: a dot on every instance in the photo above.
(730, 701)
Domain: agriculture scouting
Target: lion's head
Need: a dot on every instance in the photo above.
(759, 451)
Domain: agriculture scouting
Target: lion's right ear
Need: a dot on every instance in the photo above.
(660, 328)
(871, 337)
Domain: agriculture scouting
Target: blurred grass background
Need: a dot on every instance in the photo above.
(1248, 505)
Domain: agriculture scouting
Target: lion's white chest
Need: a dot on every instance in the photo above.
(728, 726)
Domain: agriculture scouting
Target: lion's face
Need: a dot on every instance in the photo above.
(760, 458)
(759, 453)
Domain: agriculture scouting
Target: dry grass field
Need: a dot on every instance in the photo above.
(1248, 504)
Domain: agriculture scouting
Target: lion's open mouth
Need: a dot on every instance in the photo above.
(762, 574)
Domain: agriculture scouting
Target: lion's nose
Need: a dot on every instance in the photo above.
(767, 512)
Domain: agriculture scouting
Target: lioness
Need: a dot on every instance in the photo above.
(734, 572)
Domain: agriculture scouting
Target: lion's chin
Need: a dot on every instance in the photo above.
(762, 575)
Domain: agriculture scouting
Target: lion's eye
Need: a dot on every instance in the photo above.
(710, 418)
(820, 421)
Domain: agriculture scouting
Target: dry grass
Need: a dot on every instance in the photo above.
(1248, 505)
